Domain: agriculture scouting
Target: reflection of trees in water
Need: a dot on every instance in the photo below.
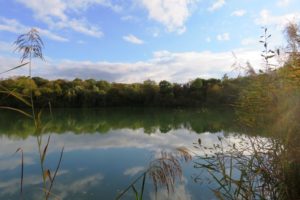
(103, 120)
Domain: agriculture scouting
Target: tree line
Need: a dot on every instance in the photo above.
(93, 93)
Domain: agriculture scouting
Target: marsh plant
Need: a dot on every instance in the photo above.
(255, 167)
(248, 168)
(30, 46)
(165, 171)
(267, 53)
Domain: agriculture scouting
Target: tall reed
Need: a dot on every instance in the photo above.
(30, 45)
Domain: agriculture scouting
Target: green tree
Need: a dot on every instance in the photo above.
(292, 32)
(198, 90)
(165, 88)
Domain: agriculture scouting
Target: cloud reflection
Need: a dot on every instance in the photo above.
(180, 193)
(117, 139)
(133, 171)
(79, 185)
(14, 162)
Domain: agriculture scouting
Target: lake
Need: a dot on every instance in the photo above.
(106, 149)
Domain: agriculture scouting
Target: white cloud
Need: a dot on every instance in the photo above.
(130, 18)
(171, 13)
(82, 26)
(14, 26)
(208, 39)
(79, 5)
(239, 13)
(58, 8)
(54, 14)
(276, 24)
(44, 8)
(164, 65)
(6, 47)
(283, 3)
(280, 21)
(133, 39)
(217, 5)
(249, 41)
(223, 37)
(51, 35)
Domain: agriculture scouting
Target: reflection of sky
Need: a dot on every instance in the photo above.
(124, 138)
(95, 164)
(180, 192)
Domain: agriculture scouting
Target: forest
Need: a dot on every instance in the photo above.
(92, 93)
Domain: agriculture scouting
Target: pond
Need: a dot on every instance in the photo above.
(106, 149)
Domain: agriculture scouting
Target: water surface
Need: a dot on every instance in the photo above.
(106, 149)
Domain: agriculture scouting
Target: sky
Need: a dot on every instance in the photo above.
(135, 40)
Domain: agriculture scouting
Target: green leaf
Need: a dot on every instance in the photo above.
(135, 192)
(45, 150)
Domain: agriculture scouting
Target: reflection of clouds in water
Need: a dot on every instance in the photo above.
(78, 186)
(232, 142)
(15, 161)
(123, 138)
(180, 193)
(12, 186)
(29, 145)
(133, 171)
(126, 138)
(117, 139)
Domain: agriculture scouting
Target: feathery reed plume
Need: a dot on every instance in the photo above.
(164, 171)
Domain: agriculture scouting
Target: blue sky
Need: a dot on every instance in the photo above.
(135, 40)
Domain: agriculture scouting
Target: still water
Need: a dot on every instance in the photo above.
(105, 150)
